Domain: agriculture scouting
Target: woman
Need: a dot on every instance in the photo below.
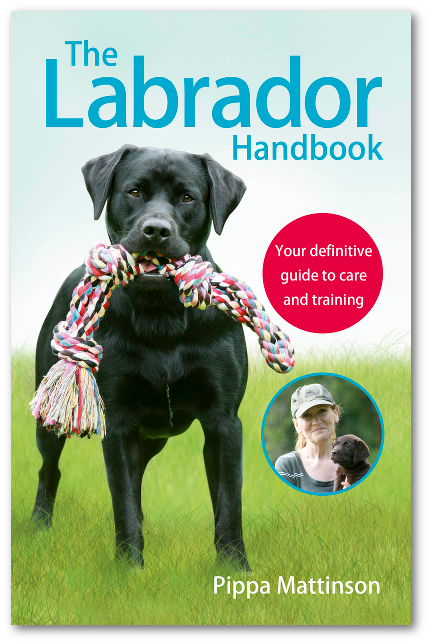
(315, 415)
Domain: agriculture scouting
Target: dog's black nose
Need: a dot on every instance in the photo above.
(157, 231)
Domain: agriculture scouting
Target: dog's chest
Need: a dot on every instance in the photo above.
(168, 370)
(164, 404)
(163, 388)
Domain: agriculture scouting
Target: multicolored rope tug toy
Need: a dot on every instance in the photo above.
(68, 400)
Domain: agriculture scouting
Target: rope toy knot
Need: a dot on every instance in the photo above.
(67, 399)
(193, 282)
(84, 352)
(112, 263)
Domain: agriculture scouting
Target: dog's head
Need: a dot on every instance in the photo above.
(349, 450)
(161, 200)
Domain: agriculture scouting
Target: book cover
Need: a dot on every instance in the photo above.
(215, 289)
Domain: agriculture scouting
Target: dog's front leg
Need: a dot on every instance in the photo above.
(223, 460)
(122, 452)
(340, 477)
(50, 447)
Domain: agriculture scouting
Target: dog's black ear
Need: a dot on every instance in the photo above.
(98, 175)
(361, 451)
(226, 191)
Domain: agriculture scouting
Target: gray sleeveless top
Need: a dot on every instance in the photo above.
(290, 467)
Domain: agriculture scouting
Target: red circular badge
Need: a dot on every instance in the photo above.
(322, 273)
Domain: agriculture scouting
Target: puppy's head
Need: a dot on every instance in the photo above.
(349, 450)
(161, 200)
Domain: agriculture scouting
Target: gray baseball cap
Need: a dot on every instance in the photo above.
(308, 396)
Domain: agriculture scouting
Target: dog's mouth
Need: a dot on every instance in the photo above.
(149, 275)
(149, 268)
(337, 458)
(150, 263)
(152, 271)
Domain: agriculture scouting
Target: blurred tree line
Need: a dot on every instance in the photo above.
(359, 417)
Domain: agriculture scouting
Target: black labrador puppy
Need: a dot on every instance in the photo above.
(164, 365)
(350, 453)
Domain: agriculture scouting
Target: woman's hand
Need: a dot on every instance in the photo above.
(345, 484)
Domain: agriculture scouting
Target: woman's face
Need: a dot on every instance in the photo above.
(317, 423)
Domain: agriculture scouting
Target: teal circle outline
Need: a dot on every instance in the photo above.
(310, 375)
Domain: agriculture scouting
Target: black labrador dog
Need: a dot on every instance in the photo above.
(164, 365)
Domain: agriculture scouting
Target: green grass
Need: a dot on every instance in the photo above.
(68, 575)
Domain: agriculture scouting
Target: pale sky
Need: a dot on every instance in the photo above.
(52, 215)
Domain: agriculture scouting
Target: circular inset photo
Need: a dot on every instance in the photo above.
(322, 434)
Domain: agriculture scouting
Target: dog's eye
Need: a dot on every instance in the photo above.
(187, 198)
(134, 192)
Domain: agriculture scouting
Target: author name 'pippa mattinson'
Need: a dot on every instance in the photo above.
(292, 586)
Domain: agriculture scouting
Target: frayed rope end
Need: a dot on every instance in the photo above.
(68, 401)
